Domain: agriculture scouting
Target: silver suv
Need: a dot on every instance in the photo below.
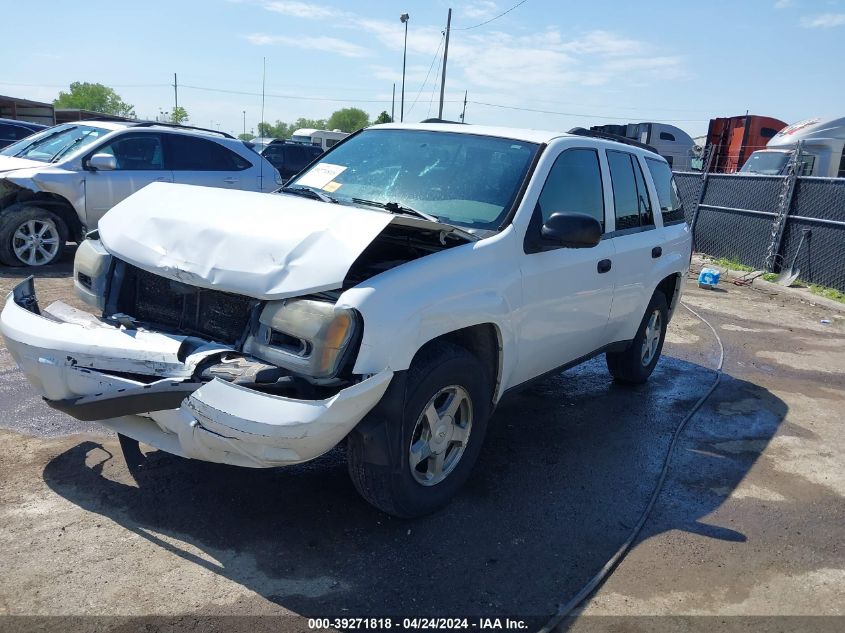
(57, 184)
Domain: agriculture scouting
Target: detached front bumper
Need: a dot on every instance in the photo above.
(140, 383)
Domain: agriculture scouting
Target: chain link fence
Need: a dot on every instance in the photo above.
(767, 222)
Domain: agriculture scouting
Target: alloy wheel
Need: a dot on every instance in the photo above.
(651, 339)
(36, 242)
(441, 435)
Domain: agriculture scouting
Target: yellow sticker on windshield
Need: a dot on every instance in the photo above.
(332, 186)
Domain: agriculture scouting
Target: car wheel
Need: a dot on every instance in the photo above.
(441, 430)
(636, 363)
(31, 236)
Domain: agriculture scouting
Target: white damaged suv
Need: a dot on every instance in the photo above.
(389, 296)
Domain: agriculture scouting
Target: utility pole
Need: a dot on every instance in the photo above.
(445, 57)
(244, 122)
(404, 20)
(393, 104)
(464, 112)
(175, 92)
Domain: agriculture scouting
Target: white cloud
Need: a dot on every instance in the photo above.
(600, 43)
(823, 20)
(480, 10)
(784, 4)
(300, 9)
(325, 44)
(530, 65)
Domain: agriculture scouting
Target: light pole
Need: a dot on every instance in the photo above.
(244, 122)
(404, 20)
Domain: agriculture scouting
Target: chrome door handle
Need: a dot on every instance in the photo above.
(230, 180)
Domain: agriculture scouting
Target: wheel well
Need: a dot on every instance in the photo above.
(482, 340)
(669, 287)
(55, 203)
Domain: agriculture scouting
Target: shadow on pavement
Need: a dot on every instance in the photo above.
(567, 468)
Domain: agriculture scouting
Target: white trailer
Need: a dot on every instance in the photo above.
(323, 138)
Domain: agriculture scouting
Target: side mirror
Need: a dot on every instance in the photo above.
(102, 162)
(572, 230)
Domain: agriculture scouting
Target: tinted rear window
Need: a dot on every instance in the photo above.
(189, 153)
(13, 132)
(667, 191)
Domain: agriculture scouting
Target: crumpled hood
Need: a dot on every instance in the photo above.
(261, 245)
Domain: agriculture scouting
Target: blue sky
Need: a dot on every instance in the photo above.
(584, 63)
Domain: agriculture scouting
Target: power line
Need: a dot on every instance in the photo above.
(581, 114)
(382, 101)
(284, 96)
(15, 83)
(430, 66)
(468, 28)
(434, 86)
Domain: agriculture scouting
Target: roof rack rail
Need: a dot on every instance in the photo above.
(436, 120)
(182, 127)
(580, 131)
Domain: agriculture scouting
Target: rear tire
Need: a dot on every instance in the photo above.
(442, 423)
(31, 236)
(635, 364)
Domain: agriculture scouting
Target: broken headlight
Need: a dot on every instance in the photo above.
(91, 272)
(307, 336)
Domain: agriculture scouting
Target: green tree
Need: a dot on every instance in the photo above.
(384, 117)
(265, 130)
(178, 115)
(348, 120)
(317, 124)
(96, 97)
(246, 137)
(280, 129)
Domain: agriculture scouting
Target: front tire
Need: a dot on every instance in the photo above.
(31, 236)
(442, 428)
(635, 364)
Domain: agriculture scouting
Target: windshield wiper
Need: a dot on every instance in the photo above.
(34, 143)
(308, 192)
(396, 208)
(67, 148)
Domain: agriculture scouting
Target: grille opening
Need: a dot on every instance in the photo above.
(176, 306)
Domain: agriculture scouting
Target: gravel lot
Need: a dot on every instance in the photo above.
(750, 521)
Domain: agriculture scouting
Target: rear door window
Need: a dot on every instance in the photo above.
(13, 132)
(7, 132)
(296, 158)
(190, 153)
(632, 203)
(671, 207)
(275, 154)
